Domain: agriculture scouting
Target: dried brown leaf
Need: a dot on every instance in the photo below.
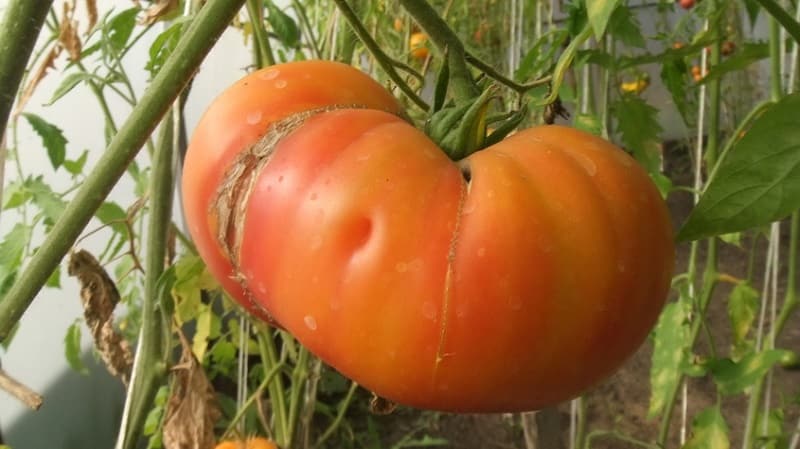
(91, 12)
(68, 34)
(192, 410)
(47, 63)
(159, 9)
(100, 296)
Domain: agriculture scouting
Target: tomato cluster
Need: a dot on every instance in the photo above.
(510, 280)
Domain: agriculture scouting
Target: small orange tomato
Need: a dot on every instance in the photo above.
(398, 24)
(250, 443)
(417, 42)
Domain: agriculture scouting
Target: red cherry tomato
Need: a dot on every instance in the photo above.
(512, 280)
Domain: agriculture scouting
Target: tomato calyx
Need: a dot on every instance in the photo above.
(460, 129)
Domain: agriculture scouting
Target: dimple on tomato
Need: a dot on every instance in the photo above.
(511, 280)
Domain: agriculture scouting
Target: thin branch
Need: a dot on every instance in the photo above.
(20, 391)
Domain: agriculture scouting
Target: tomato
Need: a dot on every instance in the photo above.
(686, 4)
(240, 117)
(417, 43)
(250, 443)
(514, 279)
(727, 48)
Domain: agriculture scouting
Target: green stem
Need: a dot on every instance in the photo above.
(262, 46)
(21, 25)
(776, 91)
(621, 437)
(710, 273)
(383, 60)
(309, 30)
(464, 87)
(269, 357)
(299, 376)
(502, 79)
(150, 367)
(347, 43)
(209, 24)
(564, 63)
(343, 406)
(264, 384)
(779, 14)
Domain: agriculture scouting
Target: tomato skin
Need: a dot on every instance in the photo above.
(417, 43)
(516, 289)
(249, 443)
(239, 117)
(391, 264)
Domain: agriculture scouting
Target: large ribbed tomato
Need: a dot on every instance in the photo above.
(511, 280)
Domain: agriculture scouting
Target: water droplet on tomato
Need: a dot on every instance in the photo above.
(469, 208)
(280, 178)
(280, 84)
(621, 267)
(415, 265)
(429, 310)
(262, 289)
(461, 311)
(311, 322)
(481, 252)
(269, 74)
(401, 267)
(586, 162)
(515, 302)
(254, 117)
(313, 197)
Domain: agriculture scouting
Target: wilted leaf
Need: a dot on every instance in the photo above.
(47, 63)
(52, 138)
(91, 13)
(758, 182)
(709, 431)
(671, 343)
(158, 10)
(192, 410)
(99, 296)
(68, 34)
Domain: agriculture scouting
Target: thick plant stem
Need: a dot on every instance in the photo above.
(776, 91)
(710, 273)
(784, 18)
(211, 21)
(464, 87)
(263, 53)
(150, 367)
(384, 61)
(21, 25)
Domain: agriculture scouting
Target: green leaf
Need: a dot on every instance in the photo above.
(118, 30)
(72, 348)
(76, 167)
(671, 342)
(15, 195)
(759, 180)
(191, 277)
(734, 377)
(283, 25)
(52, 138)
(12, 247)
(753, 8)
(772, 435)
(599, 12)
(747, 55)
(541, 55)
(207, 328)
(588, 122)
(624, 27)
(637, 122)
(54, 280)
(68, 83)
(48, 202)
(742, 309)
(709, 431)
(673, 75)
(113, 215)
(164, 44)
